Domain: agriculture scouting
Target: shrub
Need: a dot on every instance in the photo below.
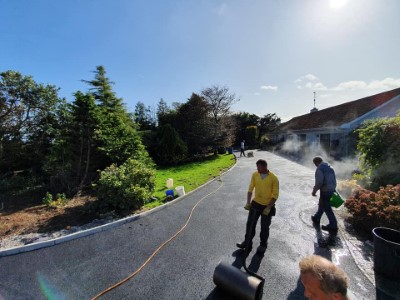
(170, 149)
(221, 150)
(379, 148)
(47, 199)
(370, 209)
(60, 200)
(16, 183)
(126, 187)
(251, 133)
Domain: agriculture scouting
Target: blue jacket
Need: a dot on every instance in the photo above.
(325, 178)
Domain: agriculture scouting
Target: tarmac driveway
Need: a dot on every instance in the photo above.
(183, 268)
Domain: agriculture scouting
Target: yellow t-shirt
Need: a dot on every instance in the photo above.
(265, 189)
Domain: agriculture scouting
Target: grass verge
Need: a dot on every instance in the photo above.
(190, 176)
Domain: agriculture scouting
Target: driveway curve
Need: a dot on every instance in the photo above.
(183, 268)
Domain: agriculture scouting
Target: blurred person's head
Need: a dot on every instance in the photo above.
(322, 279)
(262, 166)
(317, 160)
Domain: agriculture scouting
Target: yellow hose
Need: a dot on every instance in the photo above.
(156, 251)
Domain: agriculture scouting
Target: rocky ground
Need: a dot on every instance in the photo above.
(21, 225)
(18, 240)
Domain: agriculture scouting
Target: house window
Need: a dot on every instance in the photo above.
(325, 141)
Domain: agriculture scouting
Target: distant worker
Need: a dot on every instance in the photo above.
(242, 149)
(266, 191)
(325, 182)
(322, 279)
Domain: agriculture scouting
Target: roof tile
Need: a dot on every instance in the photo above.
(339, 114)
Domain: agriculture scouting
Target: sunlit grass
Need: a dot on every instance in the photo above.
(190, 176)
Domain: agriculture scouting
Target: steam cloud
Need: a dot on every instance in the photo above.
(344, 168)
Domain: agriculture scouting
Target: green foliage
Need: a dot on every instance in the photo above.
(170, 149)
(61, 146)
(144, 117)
(193, 125)
(163, 111)
(265, 125)
(379, 149)
(165, 114)
(251, 136)
(69, 165)
(47, 199)
(221, 150)
(370, 209)
(371, 142)
(117, 141)
(116, 138)
(14, 183)
(242, 120)
(268, 123)
(191, 175)
(27, 122)
(125, 187)
(59, 200)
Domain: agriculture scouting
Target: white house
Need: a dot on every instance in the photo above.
(332, 128)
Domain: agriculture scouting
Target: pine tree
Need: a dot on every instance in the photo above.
(69, 165)
(115, 137)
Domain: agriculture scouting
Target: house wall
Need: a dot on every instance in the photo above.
(341, 142)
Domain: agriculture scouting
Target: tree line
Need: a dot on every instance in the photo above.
(61, 146)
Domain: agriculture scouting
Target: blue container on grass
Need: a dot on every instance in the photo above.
(169, 193)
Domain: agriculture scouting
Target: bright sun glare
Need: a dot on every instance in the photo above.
(336, 4)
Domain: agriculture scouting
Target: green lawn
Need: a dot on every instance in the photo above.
(190, 176)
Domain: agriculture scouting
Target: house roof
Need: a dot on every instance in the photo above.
(339, 114)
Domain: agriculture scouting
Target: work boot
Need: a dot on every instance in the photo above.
(261, 249)
(329, 229)
(243, 246)
(315, 221)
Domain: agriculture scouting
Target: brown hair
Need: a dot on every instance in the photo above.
(262, 162)
(317, 160)
(331, 278)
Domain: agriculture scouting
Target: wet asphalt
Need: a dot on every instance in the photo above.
(184, 267)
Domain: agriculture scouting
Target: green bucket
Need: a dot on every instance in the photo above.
(336, 200)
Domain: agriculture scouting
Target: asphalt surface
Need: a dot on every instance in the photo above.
(184, 267)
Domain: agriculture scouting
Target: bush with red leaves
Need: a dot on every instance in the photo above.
(370, 209)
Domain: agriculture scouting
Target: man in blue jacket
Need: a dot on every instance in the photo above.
(325, 182)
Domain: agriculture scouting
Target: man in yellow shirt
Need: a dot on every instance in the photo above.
(266, 191)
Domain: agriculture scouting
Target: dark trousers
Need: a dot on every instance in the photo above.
(324, 206)
(242, 152)
(254, 214)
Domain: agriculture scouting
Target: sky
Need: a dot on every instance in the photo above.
(272, 54)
